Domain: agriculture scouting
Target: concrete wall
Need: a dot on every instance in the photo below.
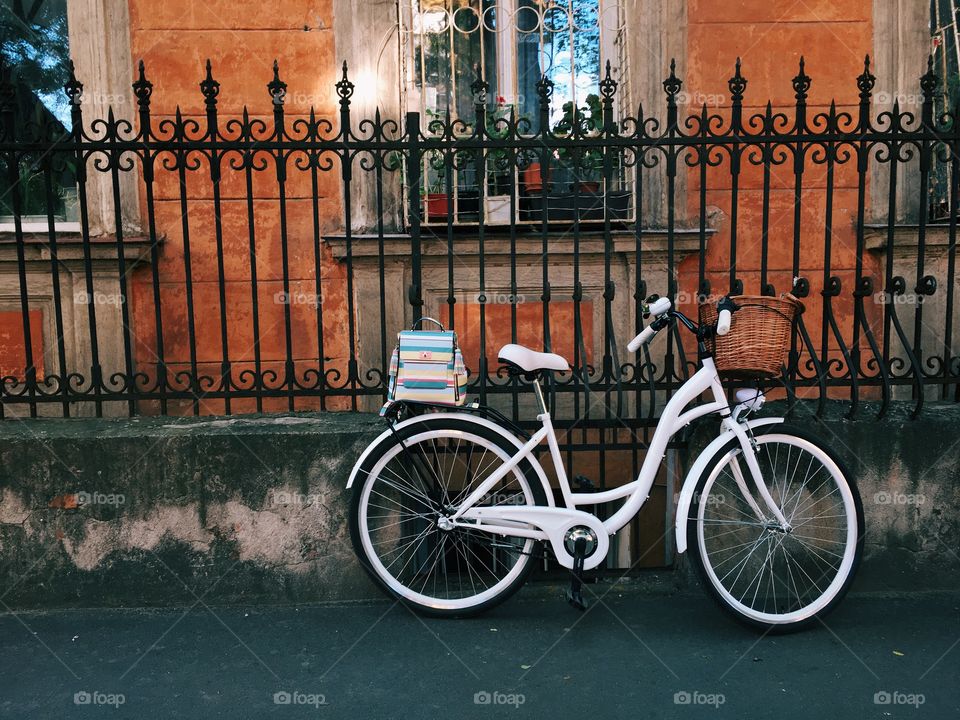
(227, 510)
(254, 509)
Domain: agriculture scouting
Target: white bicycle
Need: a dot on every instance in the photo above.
(450, 509)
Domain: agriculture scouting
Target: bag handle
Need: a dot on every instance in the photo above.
(417, 322)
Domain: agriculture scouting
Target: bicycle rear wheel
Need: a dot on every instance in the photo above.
(767, 578)
(420, 475)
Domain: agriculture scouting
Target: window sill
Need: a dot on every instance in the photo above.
(72, 251)
(366, 247)
(906, 236)
(40, 227)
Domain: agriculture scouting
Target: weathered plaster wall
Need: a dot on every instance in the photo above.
(254, 510)
(228, 510)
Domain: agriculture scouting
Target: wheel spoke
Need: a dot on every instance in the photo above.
(403, 508)
(759, 569)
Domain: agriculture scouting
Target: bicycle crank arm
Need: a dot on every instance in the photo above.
(550, 523)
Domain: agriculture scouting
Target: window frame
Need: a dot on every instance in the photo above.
(612, 27)
(98, 33)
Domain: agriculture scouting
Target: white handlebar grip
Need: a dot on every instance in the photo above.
(723, 322)
(661, 306)
(645, 336)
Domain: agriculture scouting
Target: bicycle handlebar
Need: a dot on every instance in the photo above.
(723, 322)
(642, 339)
(659, 308)
(662, 311)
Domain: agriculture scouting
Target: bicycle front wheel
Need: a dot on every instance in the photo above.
(408, 485)
(768, 578)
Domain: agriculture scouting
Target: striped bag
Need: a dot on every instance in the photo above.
(427, 367)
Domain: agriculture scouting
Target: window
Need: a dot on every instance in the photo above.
(35, 48)
(515, 43)
(946, 54)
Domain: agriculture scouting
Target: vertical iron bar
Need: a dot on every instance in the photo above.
(737, 85)
(414, 166)
(894, 153)
(278, 89)
(249, 155)
(63, 389)
(381, 269)
(345, 92)
(767, 150)
(801, 85)
(928, 85)
(129, 384)
(8, 99)
(210, 89)
(143, 89)
(951, 254)
(313, 136)
(480, 88)
(180, 137)
(74, 91)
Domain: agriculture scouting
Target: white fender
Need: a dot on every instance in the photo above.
(467, 417)
(699, 466)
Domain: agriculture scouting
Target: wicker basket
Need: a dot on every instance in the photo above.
(759, 336)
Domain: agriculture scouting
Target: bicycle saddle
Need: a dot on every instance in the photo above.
(530, 360)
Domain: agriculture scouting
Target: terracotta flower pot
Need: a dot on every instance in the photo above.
(533, 178)
(438, 206)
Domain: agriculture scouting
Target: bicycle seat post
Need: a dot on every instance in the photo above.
(538, 391)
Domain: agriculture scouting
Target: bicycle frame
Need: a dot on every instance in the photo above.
(550, 522)
(553, 522)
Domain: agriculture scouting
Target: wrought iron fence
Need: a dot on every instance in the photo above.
(828, 203)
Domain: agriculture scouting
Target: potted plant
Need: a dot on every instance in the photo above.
(577, 188)
(437, 200)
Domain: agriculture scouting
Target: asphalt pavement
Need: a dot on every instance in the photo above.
(632, 654)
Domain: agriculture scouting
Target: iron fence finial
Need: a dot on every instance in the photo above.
(737, 84)
(344, 88)
(801, 82)
(73, 87)
(672, 84)
(479, 86)
(929, 81)
(210, 88)
(866, 81)
(142, 88)
(608, 87)
(277, 87)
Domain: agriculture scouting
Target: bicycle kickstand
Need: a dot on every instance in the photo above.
(574, 594)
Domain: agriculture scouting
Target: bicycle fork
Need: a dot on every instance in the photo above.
(749, 447)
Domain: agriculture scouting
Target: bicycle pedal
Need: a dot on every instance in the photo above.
(574, 594)
(575, 598)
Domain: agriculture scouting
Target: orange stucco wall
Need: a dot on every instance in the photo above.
(242, 40)
(769, 36)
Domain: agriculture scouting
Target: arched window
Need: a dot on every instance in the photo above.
(515, 42)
